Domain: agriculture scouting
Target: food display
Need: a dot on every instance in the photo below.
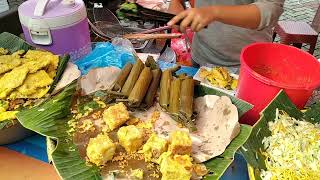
(25, 78)
(140, 128)
(220, 77)
(116, 114)
(291, 150)
(133, 144)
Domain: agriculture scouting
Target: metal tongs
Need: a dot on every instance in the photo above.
(148, 34)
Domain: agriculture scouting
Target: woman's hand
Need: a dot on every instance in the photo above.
(196, 18)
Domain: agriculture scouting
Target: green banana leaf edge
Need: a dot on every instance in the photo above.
(50, 119)
(252, 149)
(14, 43)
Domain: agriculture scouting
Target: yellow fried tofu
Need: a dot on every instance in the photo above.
(12, 80)
(115, 116)
(100, 149)
(18, 53)
(180, 143)
(35, 65)
(175, 167)
(34, 81)
(8, 62)
(47, 56)
(8, 115)
(37, 94)
(53, 66)
(130, 138)
(154, 147)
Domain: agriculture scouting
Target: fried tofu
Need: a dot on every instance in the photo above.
(175, 167)
(100, 149)
(37, 94)
(115, 116)
(33, 65)
(180, 143)
(12, 80)
(154, 147)
(53, 60)
(130, 138)
(8, 62)
(34, 81)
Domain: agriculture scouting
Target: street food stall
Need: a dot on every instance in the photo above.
(99, 91)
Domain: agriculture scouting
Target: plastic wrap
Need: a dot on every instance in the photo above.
(106, 54)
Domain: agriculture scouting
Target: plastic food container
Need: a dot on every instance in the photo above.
(266, 68)
(59, 26)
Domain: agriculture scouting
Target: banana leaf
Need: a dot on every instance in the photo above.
(14, 43)
(50, 119)
(252, 149)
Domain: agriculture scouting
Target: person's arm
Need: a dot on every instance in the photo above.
(253, 16)
(175, 7)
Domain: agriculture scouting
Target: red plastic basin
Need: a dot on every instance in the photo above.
(266, 68)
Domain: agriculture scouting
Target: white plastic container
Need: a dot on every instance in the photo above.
(59, 26)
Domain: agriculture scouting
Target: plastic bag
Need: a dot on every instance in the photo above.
(180, 48)
(106, 54)
(190, 71)
(125, 44)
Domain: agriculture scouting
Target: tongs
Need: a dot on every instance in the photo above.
(148, 34)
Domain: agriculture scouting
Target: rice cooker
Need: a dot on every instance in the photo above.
(59, 26)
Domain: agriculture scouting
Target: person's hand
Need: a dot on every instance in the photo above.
(196, 18)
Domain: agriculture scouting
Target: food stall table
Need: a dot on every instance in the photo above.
(35, 146)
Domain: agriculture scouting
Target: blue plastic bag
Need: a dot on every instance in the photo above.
(190, 71)
(103, 55)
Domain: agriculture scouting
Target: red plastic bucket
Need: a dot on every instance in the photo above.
(266, 68)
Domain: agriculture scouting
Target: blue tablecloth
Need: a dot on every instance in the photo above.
(35, 146)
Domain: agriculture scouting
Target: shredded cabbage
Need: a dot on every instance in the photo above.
(293, 150)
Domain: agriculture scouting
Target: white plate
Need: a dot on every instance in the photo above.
(206, 83)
